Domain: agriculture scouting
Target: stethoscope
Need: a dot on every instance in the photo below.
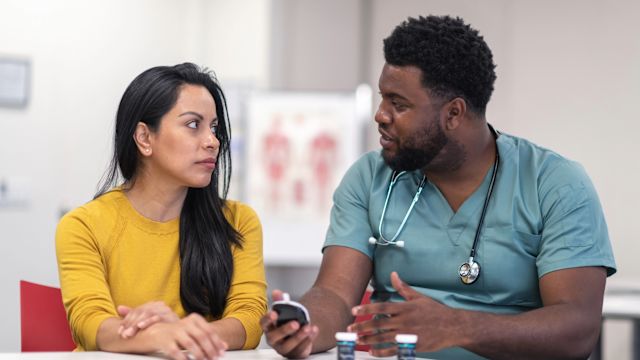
(399, 243)
(470, 270)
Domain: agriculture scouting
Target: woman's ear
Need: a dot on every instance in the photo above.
(142, 137)
(455, 112)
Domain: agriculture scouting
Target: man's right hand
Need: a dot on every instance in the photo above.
(288, 340)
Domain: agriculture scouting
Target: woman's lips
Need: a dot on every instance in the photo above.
(208, 163)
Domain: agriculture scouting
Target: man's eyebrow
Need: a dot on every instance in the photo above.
(392, 95)
(192, 113)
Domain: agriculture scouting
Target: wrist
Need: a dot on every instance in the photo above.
(151, 338)
(460, 332)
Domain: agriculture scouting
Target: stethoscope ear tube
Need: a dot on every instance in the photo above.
(399, 243)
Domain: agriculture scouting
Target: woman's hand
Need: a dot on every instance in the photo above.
(143, 316)
(193, 334)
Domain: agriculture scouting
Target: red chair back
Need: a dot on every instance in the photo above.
(365, 300)
(43, 320)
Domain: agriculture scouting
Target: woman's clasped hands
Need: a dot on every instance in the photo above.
(176, 338)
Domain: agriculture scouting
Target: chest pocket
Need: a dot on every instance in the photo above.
(509, 271)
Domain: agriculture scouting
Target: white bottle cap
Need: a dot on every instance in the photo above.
(406, 338)
(286, 297)
(346, 336)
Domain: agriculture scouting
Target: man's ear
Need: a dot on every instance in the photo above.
(142, 137)
(455, 111)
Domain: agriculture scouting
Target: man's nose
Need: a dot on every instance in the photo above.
(381, 116)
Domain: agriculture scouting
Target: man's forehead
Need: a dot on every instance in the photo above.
(408, 70)
(400, 79)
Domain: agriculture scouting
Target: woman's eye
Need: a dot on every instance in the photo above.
(193, 125)
(214, 128)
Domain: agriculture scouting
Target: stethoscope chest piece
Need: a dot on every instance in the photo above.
(469, 272)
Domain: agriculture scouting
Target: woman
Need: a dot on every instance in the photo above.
(162, 262)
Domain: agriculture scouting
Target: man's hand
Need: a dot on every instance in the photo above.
(143, 316)
(419, 315)
(288, 340)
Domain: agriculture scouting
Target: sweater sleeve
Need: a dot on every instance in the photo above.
(247, 298)
(85, 292)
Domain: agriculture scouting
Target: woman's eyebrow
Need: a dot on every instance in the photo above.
(192, 113)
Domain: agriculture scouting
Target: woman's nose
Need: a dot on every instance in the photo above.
(211, 141)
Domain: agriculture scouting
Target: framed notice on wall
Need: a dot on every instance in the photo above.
(299, 145)
(14, 82)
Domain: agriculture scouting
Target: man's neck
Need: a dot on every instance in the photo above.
(458, 184)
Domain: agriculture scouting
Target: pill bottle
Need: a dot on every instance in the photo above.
(406, 346)
(346, 344)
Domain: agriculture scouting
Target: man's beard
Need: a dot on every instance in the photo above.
(419, 150)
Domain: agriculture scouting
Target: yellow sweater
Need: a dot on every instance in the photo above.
(109, 255)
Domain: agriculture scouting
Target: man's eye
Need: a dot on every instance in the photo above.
(398, 106)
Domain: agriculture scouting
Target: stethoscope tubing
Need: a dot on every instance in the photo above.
(394, 178)
(476, 238)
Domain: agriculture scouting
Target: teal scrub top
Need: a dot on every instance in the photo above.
(544, 215)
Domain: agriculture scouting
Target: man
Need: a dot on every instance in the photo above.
(505, 248)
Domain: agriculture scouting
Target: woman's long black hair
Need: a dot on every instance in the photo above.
(206, 237)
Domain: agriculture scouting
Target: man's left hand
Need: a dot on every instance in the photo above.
(419, 315)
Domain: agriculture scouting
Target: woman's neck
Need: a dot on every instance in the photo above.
(155, 200)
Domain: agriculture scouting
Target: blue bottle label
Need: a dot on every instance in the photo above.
(406, 351)
(346, 350)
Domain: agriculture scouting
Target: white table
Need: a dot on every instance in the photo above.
(264, 354)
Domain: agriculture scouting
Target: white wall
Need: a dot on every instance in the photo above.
(316, 44)
(83, 55)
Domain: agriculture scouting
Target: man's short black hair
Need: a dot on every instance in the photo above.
(454, 58)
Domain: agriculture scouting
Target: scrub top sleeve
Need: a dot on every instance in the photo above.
(575, 231)
(349, 224)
